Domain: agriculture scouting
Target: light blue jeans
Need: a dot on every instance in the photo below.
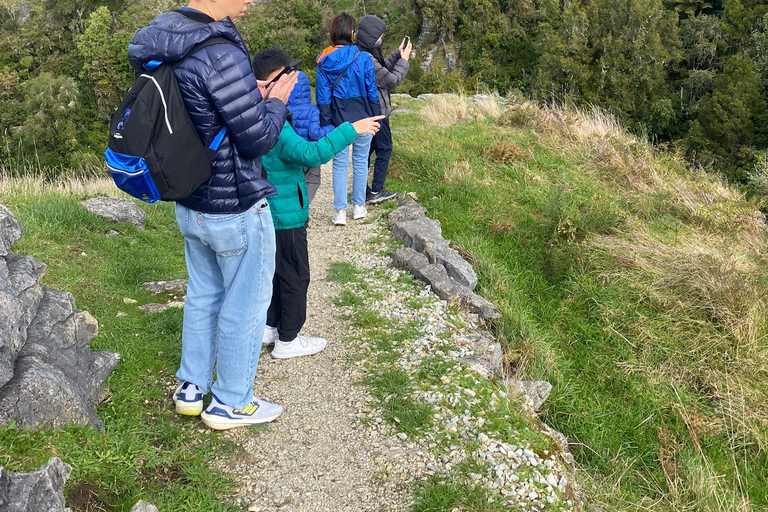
(360, 150)
(230, 261)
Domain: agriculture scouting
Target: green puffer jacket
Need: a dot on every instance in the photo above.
(285, 164)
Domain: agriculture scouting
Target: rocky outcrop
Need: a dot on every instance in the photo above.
(429, 257)
(41, 490)
(116, 210)
(49, 377)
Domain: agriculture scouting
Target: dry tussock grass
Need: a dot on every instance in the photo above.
(450, 110)
(459, 172)
(77, 186)
(713, 319)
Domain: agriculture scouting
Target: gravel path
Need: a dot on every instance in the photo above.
(318, 457)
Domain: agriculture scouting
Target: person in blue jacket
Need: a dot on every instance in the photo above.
(346, 92)
(229, 236)
(306, 123)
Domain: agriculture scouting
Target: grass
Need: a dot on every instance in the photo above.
(145, 451)
(632, 283)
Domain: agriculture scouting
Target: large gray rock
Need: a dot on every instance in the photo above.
(426, 229)
(56, 375)
(438, 251)
(443, 286)
(48, 375)
(407, 259)
(406, 212)
(10, 230)
(116, 210)
(487, 357)
(479, 305)
(535, 392)
(143, 506)
(39, 491)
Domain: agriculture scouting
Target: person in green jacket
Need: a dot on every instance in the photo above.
(284, 165)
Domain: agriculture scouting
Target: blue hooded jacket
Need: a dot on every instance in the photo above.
(355, 96)
(306, 116)
(219, 88)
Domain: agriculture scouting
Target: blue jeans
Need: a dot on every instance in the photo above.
(230, 261)
(360, 151)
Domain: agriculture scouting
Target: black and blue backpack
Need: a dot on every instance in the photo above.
(154, 151)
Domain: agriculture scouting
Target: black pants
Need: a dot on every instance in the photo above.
(382, 146)
(288, 310)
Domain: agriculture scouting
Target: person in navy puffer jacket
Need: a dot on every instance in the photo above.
(346, 91)
(306, 123)
(229, 237)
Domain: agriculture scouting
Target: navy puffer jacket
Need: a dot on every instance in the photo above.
(219, 88)
(306, 116)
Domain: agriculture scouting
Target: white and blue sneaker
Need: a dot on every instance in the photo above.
(188, 399)
(223, 417)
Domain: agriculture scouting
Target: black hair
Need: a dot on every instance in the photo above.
(268, 61)
(343, 26)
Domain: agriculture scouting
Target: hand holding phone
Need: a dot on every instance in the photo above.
(405, 48)
(290, 68)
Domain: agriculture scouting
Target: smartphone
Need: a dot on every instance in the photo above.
(290, 68)
(407, 40)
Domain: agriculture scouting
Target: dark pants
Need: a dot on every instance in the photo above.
(288, 310)
(382, 146)
(312, 175)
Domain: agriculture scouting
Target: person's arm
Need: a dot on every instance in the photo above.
(390, 61)
(372, 89)
(316, 130)
(293, 149)
(387, 79)
(254, 124)
(323, 97)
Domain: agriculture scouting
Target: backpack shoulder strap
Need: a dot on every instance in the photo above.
(154, 64)
(335, 83)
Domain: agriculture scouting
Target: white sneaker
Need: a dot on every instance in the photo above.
(300, 346)
(340, 218)
(188, 399)
(270, 336)
(219, 416)
(358, 212)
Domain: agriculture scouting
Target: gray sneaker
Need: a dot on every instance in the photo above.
(380, 196)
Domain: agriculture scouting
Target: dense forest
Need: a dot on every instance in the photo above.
(692, 75)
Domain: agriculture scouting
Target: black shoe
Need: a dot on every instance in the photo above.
(380, 196)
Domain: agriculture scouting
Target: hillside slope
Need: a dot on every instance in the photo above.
(633, 283)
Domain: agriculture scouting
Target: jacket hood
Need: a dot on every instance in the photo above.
(171, 36)
(302, 94)
(336, 58)
(369, 31)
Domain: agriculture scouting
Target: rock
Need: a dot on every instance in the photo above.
(403, 111)
(406, 212)
(55, 366)
(440, 252)
(443, 286)
(535, 391)
(479, 305)
(401, 96)
(429, 96)
(406, 199)
(41, 490)
(143, 506)
(10, 230)
(159, 308)
(427, 229)
(116, 210)
(176, 287)
(408, 259)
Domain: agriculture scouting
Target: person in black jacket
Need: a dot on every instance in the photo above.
(390, 73)
(229, 237)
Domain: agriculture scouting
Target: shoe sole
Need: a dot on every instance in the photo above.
(358, 217)
(291, 356)
(380, 200)
(187, 409)
(218, 423)
(335, 223)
